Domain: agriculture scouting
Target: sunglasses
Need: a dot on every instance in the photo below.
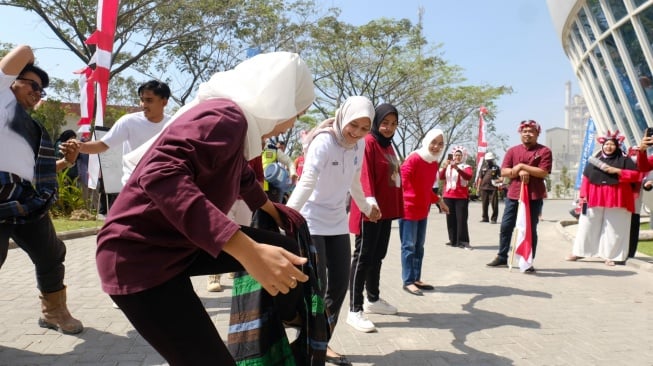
(35, 86)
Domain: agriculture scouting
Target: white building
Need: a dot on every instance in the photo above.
(609, 45)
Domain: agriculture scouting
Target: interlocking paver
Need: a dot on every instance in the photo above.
(569, 313)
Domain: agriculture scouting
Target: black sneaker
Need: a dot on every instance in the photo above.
(530, 270)
(498, 261)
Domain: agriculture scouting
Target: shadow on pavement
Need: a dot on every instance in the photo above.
(92, 348)
(430, 358)
(566, 272)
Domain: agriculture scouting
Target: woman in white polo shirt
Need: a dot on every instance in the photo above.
(331, 169)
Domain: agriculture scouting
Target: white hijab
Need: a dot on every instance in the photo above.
(424, 151)
(269, 88)
(353, 108)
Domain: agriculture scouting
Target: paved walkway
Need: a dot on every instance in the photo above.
(569, 313)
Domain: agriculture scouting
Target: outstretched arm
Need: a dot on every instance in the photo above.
(14, 62)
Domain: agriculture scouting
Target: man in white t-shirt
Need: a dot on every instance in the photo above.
(134, 129)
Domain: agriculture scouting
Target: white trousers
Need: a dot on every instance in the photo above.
(603, 232)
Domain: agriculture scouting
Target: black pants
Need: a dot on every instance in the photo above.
(634, 235)
(172, 318)
(39, 240)
(457, 221)
(371, 248)
(106, 199)
(490, 198)
(336, 253)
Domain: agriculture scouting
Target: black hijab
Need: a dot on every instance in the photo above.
(616, 159)
(380, 112)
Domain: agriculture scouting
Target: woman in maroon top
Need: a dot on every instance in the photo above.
(170, 221)
(381, 181)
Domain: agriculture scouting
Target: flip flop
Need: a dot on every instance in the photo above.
(609, 263)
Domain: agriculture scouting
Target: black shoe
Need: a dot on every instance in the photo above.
(530, 270)
(484, 221)
(338, 360)
(448, 243)
(498, 261)
(493, 222)
(417, 292)
(424, 286)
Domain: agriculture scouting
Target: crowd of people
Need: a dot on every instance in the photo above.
(200, 189)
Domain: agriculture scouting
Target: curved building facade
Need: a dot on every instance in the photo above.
(610, 46)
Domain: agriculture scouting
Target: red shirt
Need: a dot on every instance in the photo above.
(381, 179)
(175, 203)
(417, 178)
(538, 156)
(462, 183)
(299, 165)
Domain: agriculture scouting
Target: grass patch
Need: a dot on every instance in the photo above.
(645, 246)
(63, 224)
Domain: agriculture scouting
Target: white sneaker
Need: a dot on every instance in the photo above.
(359, 322)
(213, 283)
(379, 307)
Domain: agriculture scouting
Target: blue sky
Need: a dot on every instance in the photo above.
(498, 42)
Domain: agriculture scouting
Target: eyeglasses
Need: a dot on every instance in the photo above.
(35, 86)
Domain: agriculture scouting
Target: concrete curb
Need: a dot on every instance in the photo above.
(640, 261)
(67, 235)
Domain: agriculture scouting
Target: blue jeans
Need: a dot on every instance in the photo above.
(509, 221)
(412, 234)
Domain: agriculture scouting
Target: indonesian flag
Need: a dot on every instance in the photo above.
(86, 102)
(482, 142)
(524, 241)
(102, 38)
(98, 78)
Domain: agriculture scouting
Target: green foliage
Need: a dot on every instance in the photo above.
(51, 114)
(70, 196)
(388, 60)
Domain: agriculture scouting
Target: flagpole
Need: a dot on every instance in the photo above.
(514, 231)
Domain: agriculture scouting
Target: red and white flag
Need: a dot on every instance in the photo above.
(98, 78)
(482, 142)
(524, 240)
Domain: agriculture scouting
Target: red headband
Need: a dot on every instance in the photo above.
(616, 137)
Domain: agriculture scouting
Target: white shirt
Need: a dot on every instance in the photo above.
(132, 130)
(16, 155)
(336, 168)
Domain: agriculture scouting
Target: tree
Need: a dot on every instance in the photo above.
(181, 42)
(390, 61)
(51, 114)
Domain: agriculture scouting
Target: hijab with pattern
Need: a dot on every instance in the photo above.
(381, 111)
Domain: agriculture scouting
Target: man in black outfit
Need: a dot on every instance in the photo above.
(488, 186)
